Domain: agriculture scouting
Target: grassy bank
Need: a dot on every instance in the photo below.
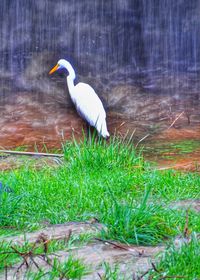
(179, 262)
(106, 181)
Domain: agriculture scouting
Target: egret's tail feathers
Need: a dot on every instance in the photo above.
(105, 134)
(102, 129)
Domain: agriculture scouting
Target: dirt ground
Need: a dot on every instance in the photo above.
(43, 121)
(132, 261)
(129, 258)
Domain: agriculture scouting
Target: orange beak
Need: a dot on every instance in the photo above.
(53, 69)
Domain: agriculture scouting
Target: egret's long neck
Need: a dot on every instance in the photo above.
(71, 77)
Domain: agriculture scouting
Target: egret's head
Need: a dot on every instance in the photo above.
(60, 65)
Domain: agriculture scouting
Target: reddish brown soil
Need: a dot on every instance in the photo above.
(181, 163)
(27, 122)
(183, 133)
(30, 123)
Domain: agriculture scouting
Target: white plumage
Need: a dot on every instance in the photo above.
(85, 99)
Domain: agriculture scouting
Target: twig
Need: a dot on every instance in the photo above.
(29, 257)
(6, 272)
(146, 272)
(142, 140)
(172, 277)
(16, 251)
(45, 259)
(67, 238)
(154, 267)
(43, 238)
(123, 123)
(112, 243)
(186, 228)
(19, 267)
(34, 262)
(175, 120)
(158, 271)
(118, 246)
(100, 277)
(74, 130)
(48, 261)
(31, 153)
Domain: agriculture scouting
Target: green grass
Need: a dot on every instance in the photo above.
(108, 181)
(175, 263)
(9, 257)
(111, 273)
(111, 182)
(183, 261)
(70, 269)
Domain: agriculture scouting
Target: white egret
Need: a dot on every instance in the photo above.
(85, 99)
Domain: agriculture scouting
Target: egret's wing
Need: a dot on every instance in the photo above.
(88, 104)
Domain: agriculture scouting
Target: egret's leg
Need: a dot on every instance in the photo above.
(91, 133)
(88, 128)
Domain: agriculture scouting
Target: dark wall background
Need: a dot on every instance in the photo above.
(150, 43)
(141, 56)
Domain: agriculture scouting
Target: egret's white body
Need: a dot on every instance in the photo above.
(85, 99)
